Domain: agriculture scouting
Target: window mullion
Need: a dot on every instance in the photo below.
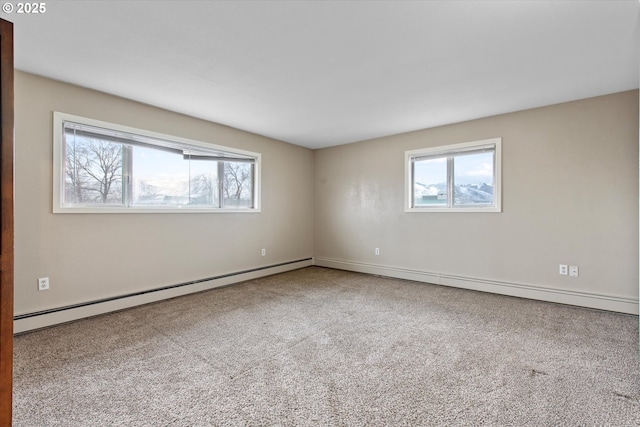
(253, 185)
(450, 186)
(189, 180)
(412, 194)
(466, 176)
(96, 172)
(221, 184)
(127, 173)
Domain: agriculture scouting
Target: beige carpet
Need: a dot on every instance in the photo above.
(332, 348)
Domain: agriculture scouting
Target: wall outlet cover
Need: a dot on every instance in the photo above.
(573, 271)
(43, 283)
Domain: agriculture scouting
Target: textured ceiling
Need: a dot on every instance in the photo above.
(323, 73)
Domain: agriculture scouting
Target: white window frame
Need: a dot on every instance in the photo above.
(452, 150)
(59, 178)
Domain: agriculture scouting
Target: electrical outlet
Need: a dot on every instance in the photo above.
(264, 252)
(377, 251)
(43, 283)
(573, 271)
(564, 269)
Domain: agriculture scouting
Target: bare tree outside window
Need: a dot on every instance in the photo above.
(111, 168)
(237, 182)
(76, 179)
(204, 189)
(93, 171)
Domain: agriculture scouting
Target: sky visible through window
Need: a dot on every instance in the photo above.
(107, 166)
(159, 167)
(474, 168)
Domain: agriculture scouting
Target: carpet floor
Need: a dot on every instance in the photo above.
(325, 347)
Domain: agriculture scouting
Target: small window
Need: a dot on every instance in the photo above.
(454, 178)
(102, 167)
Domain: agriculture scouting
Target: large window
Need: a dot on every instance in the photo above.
(454, 178)
(103, 167)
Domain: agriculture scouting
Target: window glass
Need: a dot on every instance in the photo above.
(473, 179)
(455, 178)
(204, 183)
(160, 178)
(238, 179)
(93, 171)
(102, 167)
(430, 182)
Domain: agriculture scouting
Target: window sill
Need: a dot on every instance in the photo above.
(440, 210)
(61, 210)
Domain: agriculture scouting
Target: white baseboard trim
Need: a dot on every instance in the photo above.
(31, 321)
(582, 299)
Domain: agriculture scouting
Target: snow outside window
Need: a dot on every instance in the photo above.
(103, 167)
(454, 178)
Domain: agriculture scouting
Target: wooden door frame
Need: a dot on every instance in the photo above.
(6, 221)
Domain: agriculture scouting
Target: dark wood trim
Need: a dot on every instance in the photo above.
(6, 221)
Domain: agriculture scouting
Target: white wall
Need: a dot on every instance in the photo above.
(94, 256)
(570, 196)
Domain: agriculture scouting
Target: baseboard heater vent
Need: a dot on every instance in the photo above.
(541, 293)
(142, 297)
